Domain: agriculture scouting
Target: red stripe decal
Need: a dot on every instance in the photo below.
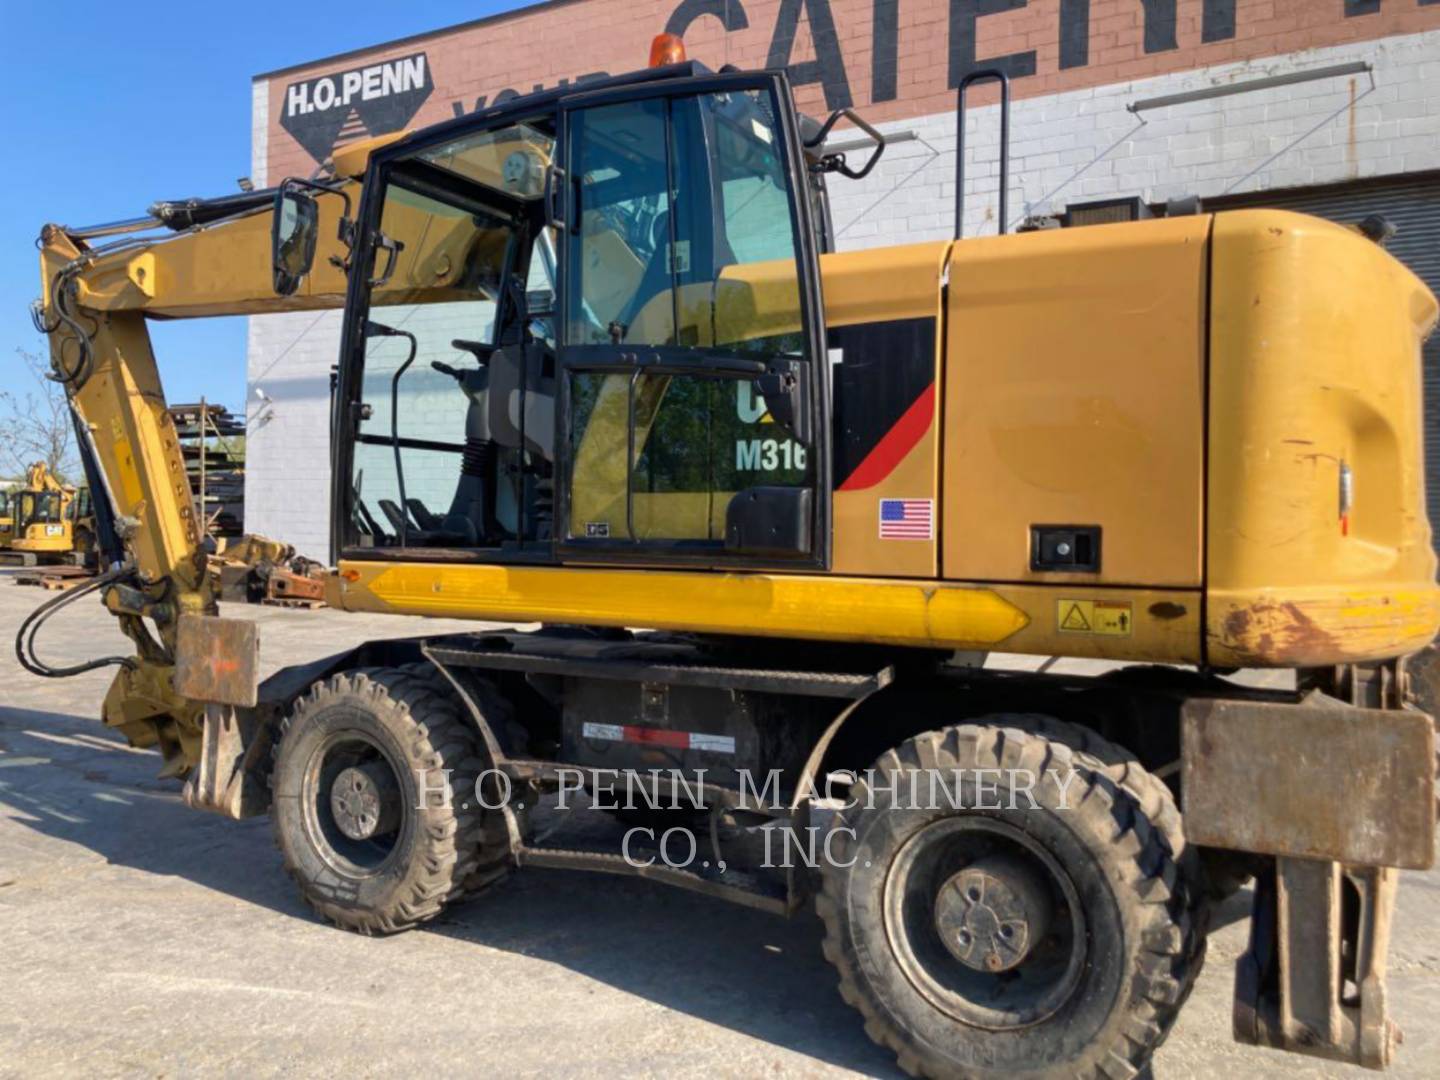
(898, 441)
(657, 736)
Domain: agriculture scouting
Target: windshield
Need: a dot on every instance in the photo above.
(450, 250)
(40, 508)
(512, 160)
(686, 232)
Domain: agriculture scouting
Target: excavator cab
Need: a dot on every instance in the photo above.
(41, 516)
(41, 523)
(589, 328)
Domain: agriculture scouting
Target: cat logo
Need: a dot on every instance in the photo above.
(750, 405)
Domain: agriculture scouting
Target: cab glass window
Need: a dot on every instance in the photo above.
(428, 320)
(686, 235)
(685, 241)
(453, 423)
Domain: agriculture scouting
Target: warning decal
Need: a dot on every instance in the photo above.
(1108, 617)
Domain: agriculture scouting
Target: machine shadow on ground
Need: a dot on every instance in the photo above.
(745, 970)
(754, 973)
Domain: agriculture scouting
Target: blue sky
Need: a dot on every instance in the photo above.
(107, 107)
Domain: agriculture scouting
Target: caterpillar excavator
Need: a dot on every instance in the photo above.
(42, 519)
(772, 505)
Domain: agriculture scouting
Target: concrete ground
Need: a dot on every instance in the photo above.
(142, 938)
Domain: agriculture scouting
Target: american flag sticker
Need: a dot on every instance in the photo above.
(907, 519)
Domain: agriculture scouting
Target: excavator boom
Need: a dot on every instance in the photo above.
(94, 311)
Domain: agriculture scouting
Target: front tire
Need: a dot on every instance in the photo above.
(1019, 941)
(368, 853)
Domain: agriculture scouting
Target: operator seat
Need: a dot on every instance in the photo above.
(493, 425)
(658, 277)
(522, 422)
(471, 516)
(512, 368)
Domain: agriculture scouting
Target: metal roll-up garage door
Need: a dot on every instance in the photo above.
(1412, 203)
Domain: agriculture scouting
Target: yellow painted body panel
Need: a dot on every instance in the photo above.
(858, 548)
(41, 540)
(1070, 390)
(822, 607)
(38, 544)
(884, 285)
(219, 269)
(1315, 362)
(1074, 395)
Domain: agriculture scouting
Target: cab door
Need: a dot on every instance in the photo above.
(693, 387)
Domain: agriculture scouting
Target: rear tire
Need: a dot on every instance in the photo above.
(1101, 971)
(1157, 802)
(348, 817)
(1424, 669)
(1424, 692)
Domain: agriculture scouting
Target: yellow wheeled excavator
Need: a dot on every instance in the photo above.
(601, 370)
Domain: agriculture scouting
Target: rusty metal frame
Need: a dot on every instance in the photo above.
(1340, 788)
(217, 660)
(1313, 978)
(1312, 780)
(231, 776)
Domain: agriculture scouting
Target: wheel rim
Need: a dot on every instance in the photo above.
(353, 803)
(985, 922)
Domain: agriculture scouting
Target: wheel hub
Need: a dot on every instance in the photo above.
(992, 913)
(365, 800)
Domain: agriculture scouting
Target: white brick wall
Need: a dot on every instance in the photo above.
(287, 467)
(1085, 145)
(1065, 148)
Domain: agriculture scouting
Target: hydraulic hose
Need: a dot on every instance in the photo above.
(72, 377)
(25, 639)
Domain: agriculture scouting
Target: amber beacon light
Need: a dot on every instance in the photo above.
(667, 49)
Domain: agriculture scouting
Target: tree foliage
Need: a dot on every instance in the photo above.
(35, 423)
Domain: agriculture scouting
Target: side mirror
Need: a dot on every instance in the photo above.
(292, 238)
(835, 161)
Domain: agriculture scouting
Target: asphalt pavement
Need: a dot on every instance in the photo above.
(141, 938)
